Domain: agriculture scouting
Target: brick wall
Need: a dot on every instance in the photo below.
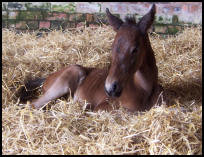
(170, 17)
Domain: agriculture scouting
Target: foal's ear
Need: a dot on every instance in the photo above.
(114, 21)
(147, 20)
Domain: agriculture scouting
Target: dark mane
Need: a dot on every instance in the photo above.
(130, 20)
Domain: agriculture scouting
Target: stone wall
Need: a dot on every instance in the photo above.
(170, 17)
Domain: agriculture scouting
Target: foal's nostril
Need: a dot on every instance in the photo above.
(115, 84)
(114, 89)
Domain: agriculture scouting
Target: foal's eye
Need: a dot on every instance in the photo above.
(134, 50)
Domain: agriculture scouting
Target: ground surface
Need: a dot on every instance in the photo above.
(67, 129)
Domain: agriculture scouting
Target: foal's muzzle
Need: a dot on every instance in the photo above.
(113, 90)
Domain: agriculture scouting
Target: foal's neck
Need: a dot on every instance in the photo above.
(146, 75)
(149, 61)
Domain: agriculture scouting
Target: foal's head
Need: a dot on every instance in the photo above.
(128, 49)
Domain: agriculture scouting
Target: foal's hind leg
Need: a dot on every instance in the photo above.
(60, 83)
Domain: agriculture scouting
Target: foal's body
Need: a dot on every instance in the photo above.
(131, 80)
(138, 94)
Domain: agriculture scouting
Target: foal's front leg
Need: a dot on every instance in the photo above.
(157, 97)
(106, 106)
(67, 81)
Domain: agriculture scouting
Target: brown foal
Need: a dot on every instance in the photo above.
(131, 81)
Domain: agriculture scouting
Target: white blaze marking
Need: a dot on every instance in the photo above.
(108, 85)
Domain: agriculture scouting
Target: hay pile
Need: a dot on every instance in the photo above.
(67, 129)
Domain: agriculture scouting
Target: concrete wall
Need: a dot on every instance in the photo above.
(170, 17)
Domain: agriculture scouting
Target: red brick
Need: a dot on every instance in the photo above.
(61, 15)
(89, 17)
(57, 16)
(194, 8)
(44, 24)
(185, 7)
(21, 25)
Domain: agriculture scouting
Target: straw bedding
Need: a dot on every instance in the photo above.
(66, 128)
